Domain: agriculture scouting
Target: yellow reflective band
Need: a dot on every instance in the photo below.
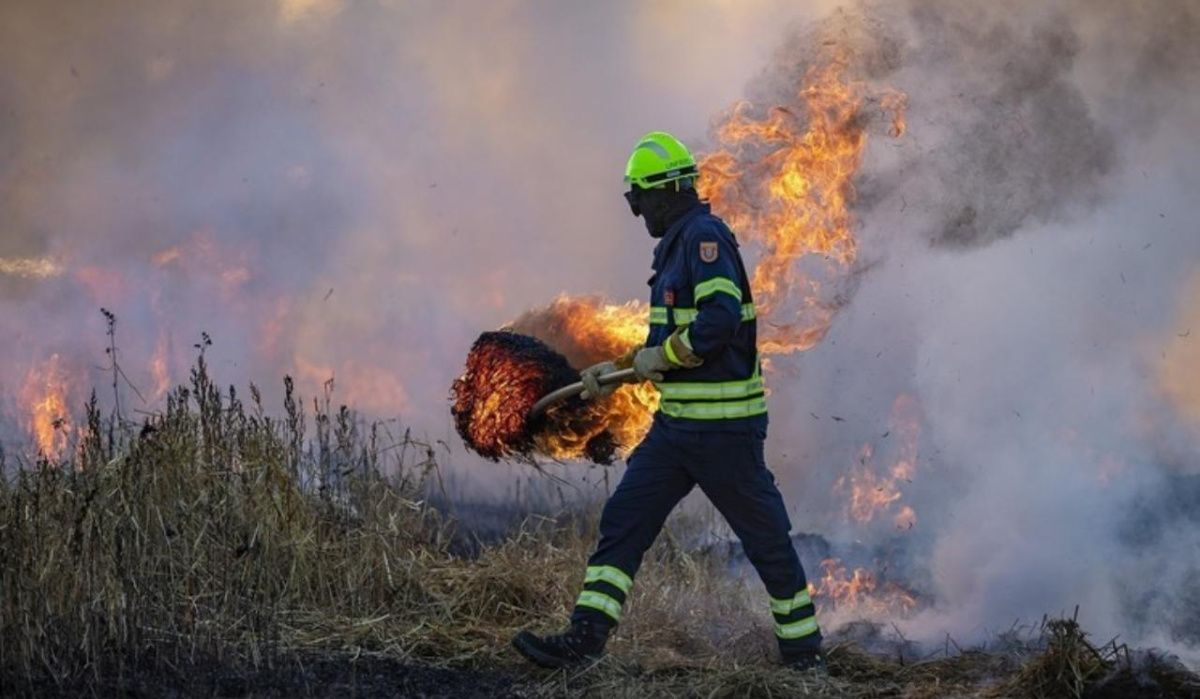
(714, 285)
(785, 606)
(600, 601)
(797, 629)
(670, 352)
(613, 576)
(729, 410)
(715, 390)
(685, 316)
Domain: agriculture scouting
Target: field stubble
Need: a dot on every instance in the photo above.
(215, 549)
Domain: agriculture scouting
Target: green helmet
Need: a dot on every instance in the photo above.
(657, 159)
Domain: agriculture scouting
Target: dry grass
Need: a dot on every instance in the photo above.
(217, 536)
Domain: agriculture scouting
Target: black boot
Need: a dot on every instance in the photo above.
(582, 642)
(805, 661)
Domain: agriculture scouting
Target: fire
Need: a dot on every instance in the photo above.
(506, 374)
(871, 493)
(203, 253)
(785, 181)
(502, 382)
(859, 592)
(587, 330)
(160, 370)
(45, 396)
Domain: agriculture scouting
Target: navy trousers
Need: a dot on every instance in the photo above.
(731, 470)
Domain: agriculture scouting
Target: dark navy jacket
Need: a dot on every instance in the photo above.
(700, 283)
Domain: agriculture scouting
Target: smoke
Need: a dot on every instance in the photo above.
(356, 190)
(1032, 239)
(1003, 134)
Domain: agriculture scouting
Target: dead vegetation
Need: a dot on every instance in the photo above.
(215, 541)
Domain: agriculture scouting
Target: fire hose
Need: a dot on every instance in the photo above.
(622, 376)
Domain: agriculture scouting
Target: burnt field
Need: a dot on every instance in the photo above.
(216, 549)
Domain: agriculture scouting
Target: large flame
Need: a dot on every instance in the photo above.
(45, 397)
(785, 181)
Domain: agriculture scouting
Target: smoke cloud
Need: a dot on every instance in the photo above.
(1030, 240)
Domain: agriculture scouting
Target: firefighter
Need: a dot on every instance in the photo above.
(711, 423)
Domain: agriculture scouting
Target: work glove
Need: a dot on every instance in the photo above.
(675, 353)
(650, 362)
(591, 380)
(591, 375)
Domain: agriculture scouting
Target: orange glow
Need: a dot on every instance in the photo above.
(859, 592)
(870, 493)
(45, 397)
(205, 254)
(373, 389)
(1179, 353)
(160, 367)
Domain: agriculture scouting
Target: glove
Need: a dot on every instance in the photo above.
(650, 362)
(675, 353)
(591, 380)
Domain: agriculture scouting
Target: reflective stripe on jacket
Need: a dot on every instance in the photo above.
(700, 284)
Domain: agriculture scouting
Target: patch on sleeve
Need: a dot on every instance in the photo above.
(708, 251)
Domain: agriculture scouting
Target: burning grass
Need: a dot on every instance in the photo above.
(217, 549)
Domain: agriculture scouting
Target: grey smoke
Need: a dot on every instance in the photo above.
(1034, 233)
(1002, 134)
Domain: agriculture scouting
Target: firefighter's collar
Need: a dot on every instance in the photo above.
(664, 246)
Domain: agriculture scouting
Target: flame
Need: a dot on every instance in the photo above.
(231, 268)
(588, 330)
(785, 181)
(859, 592)
(30, 267)
(869, 494)
(45, 396)
(160, 370)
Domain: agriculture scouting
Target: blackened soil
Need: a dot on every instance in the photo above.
(324, 676)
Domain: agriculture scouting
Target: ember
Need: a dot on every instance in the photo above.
(506, 374)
